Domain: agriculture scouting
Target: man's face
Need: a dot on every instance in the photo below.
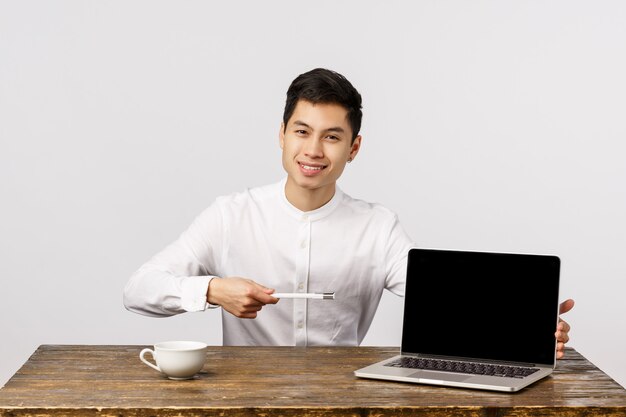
(317, 144)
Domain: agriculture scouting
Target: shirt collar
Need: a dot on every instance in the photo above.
(312, 215)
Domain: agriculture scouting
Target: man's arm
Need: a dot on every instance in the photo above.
(396, 253)
(181, 277)
(176, 279)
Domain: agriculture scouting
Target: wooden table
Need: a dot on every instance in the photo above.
(282, 381)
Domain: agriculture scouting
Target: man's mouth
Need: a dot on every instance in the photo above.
(310, 169)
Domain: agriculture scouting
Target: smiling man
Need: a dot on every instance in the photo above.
(317, 142)
(302, 234)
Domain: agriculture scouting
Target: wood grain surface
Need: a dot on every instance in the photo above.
(73, 380)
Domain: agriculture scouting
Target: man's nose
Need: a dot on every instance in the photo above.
(313, 148)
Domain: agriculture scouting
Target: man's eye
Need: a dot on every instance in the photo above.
(332, 137)
(301, 132)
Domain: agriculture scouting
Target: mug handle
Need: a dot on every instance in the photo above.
(144, 360)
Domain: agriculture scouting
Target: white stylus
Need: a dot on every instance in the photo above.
(316, 296)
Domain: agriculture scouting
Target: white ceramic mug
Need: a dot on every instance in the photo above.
(177, 359)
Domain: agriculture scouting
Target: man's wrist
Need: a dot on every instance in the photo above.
(212, 291)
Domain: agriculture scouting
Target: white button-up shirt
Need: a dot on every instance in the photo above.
(348, 246)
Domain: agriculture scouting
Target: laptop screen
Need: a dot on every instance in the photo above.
(481, 305)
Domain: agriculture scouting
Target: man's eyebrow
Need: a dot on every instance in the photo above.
(337, 129)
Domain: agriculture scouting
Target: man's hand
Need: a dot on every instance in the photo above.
(562, 329)
(241, 297)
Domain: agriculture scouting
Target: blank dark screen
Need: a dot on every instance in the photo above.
(481, 305)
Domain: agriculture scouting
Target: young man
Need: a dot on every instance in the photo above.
(302, 234)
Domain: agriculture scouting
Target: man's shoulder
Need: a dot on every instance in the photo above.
(367, 208)
(255, 195)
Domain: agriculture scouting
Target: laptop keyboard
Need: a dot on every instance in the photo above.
(463, 367)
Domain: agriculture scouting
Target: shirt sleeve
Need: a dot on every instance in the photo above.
(176, 279)
(396, 254)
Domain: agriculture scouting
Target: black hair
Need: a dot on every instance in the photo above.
(322, 85)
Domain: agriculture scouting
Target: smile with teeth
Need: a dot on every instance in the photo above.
(310, 167)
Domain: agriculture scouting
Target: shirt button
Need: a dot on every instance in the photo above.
(301, 286)
(300, 325)
(305, 218)
(303, 244)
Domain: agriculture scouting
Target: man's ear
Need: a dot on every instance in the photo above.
(281, 135)
(354, 148)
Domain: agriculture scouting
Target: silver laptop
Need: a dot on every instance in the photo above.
(480, 320)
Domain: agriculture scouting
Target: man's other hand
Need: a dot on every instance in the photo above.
(562, 328)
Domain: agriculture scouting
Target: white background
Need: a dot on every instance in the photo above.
(488, 125)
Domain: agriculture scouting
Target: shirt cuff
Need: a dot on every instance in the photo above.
(194, 291)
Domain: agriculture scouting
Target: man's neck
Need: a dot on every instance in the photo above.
(306, 199)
